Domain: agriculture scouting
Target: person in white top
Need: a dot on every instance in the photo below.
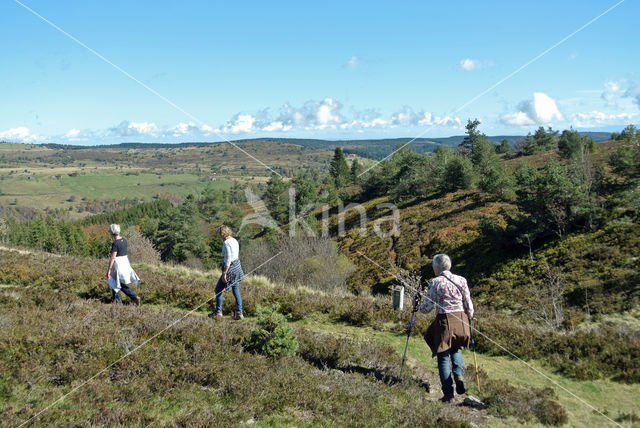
(120, 274)
(232, 273)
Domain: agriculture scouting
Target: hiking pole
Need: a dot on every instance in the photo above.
(416, 301)
(473, 348)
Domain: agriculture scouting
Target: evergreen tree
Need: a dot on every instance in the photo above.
(180, 233)
(306, 186)
(571, 144)
(472, 135)
(482, 154)
(552, 200)
(458, 174)
(541, 141)
(356, 170)
(339, 169)
(504, 147)
(626, 160)
(277, 199)
(414, 177)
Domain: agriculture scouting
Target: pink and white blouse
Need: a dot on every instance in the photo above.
(448, 293)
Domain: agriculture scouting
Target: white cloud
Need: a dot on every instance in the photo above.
(72, 133)
(612, 91)
(353, 62)
(469, 64)
(312, 115)
(616, 91)
(239, 123)
(540, 110)
(20, 132)
(407, 117)
(133, 129)
(328, 114)
(516, 119)
(598, 118)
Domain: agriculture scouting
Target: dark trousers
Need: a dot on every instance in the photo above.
(126, 290)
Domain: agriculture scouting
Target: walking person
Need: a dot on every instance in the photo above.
(120, 273)
(231, 275)
(449, 333)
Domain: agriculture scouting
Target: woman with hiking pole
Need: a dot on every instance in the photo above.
(232, 273)
(449, 333)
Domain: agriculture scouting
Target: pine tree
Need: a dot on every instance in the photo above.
(339, 169)
(458, 174)
(504, 147)
(356, 170)
(541, 141)
(277, 199)
(472, 135)
(571, 144)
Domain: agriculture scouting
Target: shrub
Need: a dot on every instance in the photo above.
(140, 248)
(309, 261)
(272, 337)
(458, 174)
(504, 399)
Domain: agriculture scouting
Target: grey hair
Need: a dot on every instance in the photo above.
(114, 229)
(442, 261)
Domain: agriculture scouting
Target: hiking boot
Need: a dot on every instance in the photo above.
(216, 314)
(238, 316)
(136, 301)
(446, 398)
(460, 388)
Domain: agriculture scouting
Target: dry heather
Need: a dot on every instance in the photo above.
(582, 355)
(196, 373)
(56, 331)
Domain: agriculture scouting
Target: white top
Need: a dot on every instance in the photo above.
(122, 273)
(230, 250)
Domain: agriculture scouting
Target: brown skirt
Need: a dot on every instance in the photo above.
(448, 331)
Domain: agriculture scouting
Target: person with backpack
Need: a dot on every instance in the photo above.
(449, 333)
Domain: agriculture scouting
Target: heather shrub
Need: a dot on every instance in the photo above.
(358, 312)
(340, 351)
(504, 399)
(272, 336)
(195, 373)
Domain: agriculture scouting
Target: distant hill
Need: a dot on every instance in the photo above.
(370, 148)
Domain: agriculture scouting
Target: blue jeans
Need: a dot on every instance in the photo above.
(126, 290)
(235, 289)
(445, 370)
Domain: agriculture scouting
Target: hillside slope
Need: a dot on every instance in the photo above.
(160, 364)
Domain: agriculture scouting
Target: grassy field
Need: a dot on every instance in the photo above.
(76, 180)
(57, 189)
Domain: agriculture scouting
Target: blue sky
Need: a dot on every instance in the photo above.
(322, 70)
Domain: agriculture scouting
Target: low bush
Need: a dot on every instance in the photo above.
(504, 399)
(272, 336)
(301, 261)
